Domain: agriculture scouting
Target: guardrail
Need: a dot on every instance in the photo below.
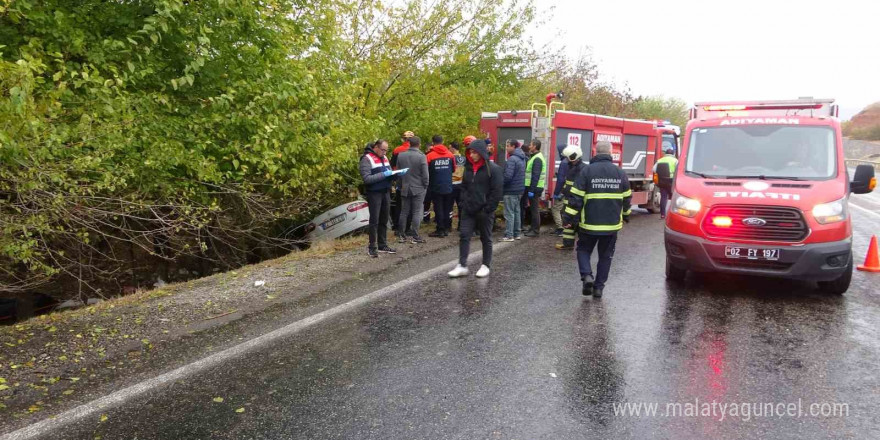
(856, 162)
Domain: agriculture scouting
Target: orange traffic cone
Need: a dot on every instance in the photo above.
(872, 260)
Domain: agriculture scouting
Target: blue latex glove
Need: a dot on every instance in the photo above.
(531, 195)
(387, 173)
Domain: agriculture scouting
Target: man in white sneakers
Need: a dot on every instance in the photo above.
(481, 189)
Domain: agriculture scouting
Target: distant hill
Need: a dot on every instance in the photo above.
(865, 124)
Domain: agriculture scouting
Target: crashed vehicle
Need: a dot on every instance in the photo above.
(346, 219)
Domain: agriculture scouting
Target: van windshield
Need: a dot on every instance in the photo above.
(763, 151)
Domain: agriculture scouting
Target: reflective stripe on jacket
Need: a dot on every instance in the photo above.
(600, 197)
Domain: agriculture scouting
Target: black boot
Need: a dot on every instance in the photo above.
(597, 293)
(587, 290)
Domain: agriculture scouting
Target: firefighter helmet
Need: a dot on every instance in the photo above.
(572, 152)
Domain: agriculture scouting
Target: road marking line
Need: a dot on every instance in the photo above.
(118, 397)
(864, 209)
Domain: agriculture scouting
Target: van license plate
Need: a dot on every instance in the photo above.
(751, 253)
(333, 221)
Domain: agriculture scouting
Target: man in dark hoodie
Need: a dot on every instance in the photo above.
(441, 166)
(514, 185)
(375, 170)
(481, 189)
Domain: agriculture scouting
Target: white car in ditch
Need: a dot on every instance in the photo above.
(345, 219)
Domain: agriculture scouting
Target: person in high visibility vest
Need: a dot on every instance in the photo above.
(536, 176)
(598, 206)
(668, 158)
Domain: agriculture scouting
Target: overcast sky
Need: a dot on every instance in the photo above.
(729, 50)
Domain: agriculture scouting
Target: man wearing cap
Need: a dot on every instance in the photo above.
(598, 207)
(413, 187)
(668, 158)
(395, 208)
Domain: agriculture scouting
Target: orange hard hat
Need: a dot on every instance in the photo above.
(468, 140)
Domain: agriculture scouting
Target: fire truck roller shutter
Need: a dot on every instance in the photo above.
(569, 136)
(505, 133)
(635, 152)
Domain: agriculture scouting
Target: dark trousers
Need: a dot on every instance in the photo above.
(426, 211)
(585, 245)
(664, 199)
(442, 209)
(456, 195)
(395, 211)
(533, 209)
(380, 202)
(469, 222)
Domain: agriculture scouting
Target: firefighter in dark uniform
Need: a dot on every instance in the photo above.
(599, 205)
(573, 154)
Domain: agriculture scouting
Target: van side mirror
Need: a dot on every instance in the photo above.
(664, 176)
(864, 180)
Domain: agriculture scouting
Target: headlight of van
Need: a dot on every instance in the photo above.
(830, 212)
(685, 206)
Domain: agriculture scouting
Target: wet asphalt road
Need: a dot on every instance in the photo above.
(522, 355)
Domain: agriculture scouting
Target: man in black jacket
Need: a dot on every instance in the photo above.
(598, 204)
(481, 188)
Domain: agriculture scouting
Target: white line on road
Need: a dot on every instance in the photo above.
(864, 209)
(123, 395)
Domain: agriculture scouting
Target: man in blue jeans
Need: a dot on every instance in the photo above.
(514, 186)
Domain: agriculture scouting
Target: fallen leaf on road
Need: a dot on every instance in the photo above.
(4, 387)
(103, 418)
(67, 392)
(218, 399)
(33, 408)
(240, 410)
(259, 283)
(552, 374)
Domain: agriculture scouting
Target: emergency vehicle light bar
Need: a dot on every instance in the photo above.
(796, 107)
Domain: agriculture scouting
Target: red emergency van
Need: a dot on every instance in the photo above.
(761, 188)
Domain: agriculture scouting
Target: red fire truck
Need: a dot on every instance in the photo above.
(761, 188)
(636, 143)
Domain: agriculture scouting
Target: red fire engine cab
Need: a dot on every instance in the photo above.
(636, 144)
(762, 188)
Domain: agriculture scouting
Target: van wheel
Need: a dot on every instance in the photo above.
(838, 286)
(674, 273)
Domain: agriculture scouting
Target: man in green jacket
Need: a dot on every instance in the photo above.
(536, 175)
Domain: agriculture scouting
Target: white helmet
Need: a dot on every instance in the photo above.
(572, 152)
